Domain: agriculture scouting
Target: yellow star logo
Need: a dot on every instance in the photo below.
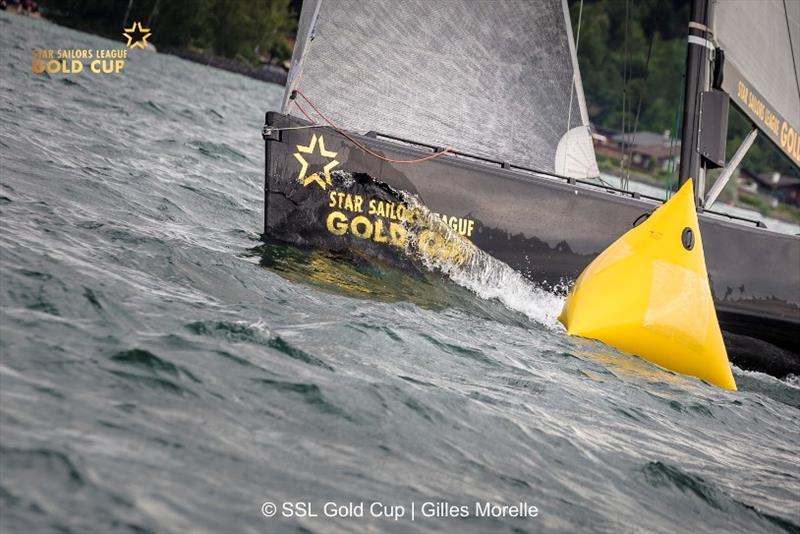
(137, 38)
(315, 178)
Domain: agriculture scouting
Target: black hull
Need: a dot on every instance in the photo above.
(548, 228)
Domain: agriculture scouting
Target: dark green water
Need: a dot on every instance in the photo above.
(162, 371)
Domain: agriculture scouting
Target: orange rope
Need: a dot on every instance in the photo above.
(358, 144)
(297, 104)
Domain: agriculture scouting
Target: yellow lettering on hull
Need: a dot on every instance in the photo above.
(388, 223)
(337, 223)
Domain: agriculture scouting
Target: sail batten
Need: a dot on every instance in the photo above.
(495, 78)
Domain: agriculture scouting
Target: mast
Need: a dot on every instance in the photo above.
(698, 57)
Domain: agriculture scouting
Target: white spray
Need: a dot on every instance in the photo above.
(441, 248)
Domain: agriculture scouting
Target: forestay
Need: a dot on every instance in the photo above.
(494, 78)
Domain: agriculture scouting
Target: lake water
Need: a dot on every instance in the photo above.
(163, 371)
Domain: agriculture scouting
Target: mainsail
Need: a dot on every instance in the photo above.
(761, 43)
(494, 78)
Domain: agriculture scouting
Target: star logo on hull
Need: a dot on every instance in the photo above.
(326, 170)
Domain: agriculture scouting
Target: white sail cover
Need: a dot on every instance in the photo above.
(761, 42)
(494, 78)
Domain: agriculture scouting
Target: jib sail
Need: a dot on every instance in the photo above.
(494, 78)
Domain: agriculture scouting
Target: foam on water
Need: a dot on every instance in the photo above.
(439, 248)
(474, 269)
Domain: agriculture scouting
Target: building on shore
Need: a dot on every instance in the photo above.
(779, 187)
(648, 151)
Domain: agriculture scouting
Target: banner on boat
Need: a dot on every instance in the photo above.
(785, 135)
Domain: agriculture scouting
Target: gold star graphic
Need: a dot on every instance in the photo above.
(315, 178)
(141, 35)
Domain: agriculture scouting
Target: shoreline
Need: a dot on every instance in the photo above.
(266, 73)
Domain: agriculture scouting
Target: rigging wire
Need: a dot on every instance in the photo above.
(292, 128)
(363, 147)
(307, 116)
(672, 143)
(622, 183)
(639, 108)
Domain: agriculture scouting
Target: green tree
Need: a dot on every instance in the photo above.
(602, 57)
(241, 29)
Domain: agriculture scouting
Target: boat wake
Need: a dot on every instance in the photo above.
(440, 248)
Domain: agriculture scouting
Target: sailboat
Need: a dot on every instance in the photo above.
(421, 131)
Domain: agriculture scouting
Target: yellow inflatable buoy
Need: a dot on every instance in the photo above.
(648, 294)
